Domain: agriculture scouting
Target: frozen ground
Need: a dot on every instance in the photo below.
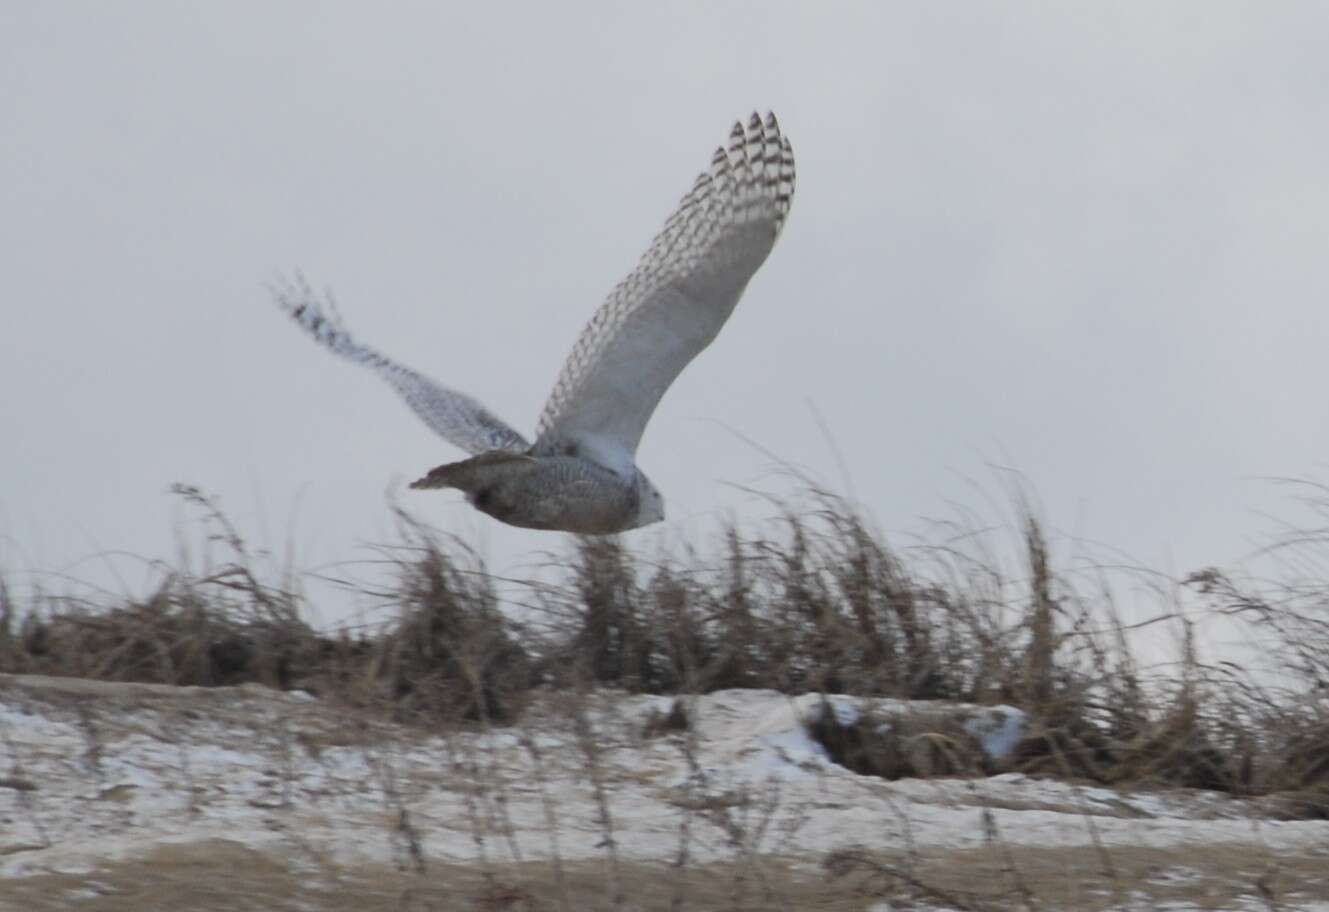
(141, 796)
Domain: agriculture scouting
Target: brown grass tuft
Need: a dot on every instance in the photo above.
(814, 602)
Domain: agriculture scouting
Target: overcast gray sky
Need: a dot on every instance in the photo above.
(1086, 241)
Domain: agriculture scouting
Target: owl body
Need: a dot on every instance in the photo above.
(581, 475)
(553, 492)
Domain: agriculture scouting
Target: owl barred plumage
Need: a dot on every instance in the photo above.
(455, 416)
(581, 474)
(721, 232)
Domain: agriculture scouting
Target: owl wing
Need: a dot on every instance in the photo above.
(454, 416)
(673, 304)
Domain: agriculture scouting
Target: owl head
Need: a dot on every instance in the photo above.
(650, 505)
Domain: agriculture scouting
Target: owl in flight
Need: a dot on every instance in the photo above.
(580, 475)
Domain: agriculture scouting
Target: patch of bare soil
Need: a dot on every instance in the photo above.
(222, 875)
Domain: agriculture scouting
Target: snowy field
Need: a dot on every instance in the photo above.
(116, 796)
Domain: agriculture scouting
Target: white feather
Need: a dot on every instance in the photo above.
(673, 304)
(454, 416)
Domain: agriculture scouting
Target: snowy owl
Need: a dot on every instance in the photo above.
(580, 475)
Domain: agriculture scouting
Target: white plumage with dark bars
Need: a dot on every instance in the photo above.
(581, 474)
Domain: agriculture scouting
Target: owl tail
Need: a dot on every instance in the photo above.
(472, 474)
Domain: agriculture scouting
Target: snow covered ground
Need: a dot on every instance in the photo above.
(249, 798)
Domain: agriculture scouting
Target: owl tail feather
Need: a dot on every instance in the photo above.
(472, 474)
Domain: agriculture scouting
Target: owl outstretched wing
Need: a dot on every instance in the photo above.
(454, 416)
(674, 302)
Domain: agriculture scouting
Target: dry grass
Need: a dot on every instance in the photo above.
(446, 656)
(815, 603)
(819, 605)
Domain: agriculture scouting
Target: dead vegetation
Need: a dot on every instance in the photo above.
(816, 604)
(820, 604)
(446, 655)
